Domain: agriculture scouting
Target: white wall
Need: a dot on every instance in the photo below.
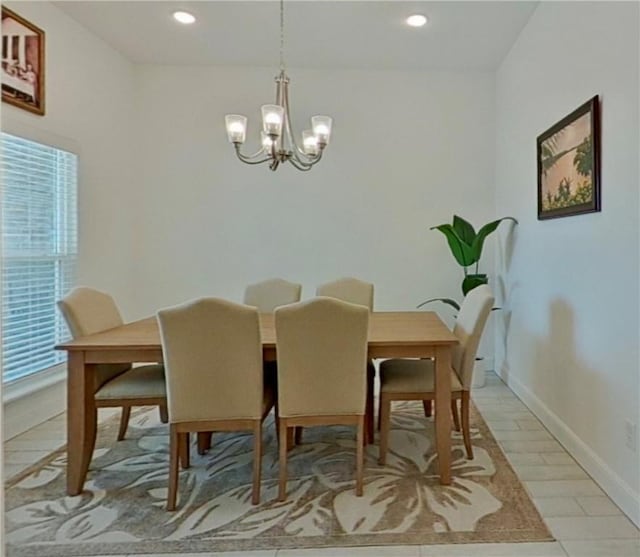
(89, 102)
(571, 284)
(409, 149)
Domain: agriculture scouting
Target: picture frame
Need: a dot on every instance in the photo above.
(568, 156)
(23, 63)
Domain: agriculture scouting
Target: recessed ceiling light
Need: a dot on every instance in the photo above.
(184, 17)
(416, 20)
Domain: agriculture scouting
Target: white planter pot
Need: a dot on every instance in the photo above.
(478, 374)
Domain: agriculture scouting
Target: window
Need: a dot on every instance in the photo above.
(39, 250)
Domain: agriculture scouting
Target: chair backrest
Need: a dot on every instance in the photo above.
(322, 357)
(469, 325)
(213, 360)
(269, 294)
(88, 311)
(349, 290)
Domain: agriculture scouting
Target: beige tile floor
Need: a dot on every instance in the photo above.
(585, 522)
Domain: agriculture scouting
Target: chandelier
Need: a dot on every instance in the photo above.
(278, 142)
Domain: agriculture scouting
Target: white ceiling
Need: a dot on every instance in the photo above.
(319, 34)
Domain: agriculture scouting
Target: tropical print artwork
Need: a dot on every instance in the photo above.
(567, 165)
(122, 509)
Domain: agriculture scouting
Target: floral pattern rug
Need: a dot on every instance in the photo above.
(122, 510)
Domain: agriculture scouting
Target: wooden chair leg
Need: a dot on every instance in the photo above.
(466, 432)
(185, 440)
(454, 414)
(257, 462)
(426, 404)
(124, 422)
(282, 487)
(276, 417)
(290, 437)
(174, 442)
(385, 408)
(298, 436)
(360, 455)
(204, 441)
(164, 413)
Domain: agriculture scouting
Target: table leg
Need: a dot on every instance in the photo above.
(369, 436)
(81, 421)
(443, 412)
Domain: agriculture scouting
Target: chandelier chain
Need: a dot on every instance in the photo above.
(281, 35)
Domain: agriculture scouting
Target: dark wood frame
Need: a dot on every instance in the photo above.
(592, 107)
(37, 107)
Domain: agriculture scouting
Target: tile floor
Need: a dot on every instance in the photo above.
(585, 522)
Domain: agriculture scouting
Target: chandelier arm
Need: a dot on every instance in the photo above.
(250, 159)
(299, 166)
(303, 158)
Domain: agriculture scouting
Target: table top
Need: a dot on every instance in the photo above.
(394, 328)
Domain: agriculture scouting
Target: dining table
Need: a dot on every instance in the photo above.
(394, 334)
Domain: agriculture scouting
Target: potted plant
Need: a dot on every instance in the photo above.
(466, 247)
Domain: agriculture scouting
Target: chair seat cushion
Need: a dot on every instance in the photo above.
(411, 376)
(138, 383)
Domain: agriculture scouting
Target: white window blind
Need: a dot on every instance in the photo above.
(39, 249)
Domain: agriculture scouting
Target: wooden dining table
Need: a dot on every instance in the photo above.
(408, 334)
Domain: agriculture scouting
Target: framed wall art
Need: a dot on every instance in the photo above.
(22, 63)
(569, 164)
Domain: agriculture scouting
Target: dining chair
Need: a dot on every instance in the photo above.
(350, 290)
(406, 379)
(266, 295)
(359, 292)
(322, 353)
(88, 311)
(269, 294)
(212, 351)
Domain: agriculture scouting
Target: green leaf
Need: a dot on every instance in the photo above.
(478, 242)
(448, 301)
(460, 249)
(464, 229)
(473, 281)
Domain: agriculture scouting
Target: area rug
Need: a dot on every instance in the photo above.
(122, 510)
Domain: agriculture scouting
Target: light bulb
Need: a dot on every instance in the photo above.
(321, 128)
(236, 127)
(272, 118)
(309, 142)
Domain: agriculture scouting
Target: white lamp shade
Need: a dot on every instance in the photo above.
(236, 127)
(267, 142)
(272, 118)
(309, 142)
(321, 128)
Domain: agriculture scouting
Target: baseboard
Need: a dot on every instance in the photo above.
(25, 412)
(614, 486)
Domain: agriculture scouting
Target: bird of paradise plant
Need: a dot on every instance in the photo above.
(466, 247)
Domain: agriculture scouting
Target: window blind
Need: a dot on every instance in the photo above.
(39, 250)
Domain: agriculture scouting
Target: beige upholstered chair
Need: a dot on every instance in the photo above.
(269, 294)
(359, 292)
(415, 379)
(213, 358)
(322, 353)
(350, 290)
(89, 311)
